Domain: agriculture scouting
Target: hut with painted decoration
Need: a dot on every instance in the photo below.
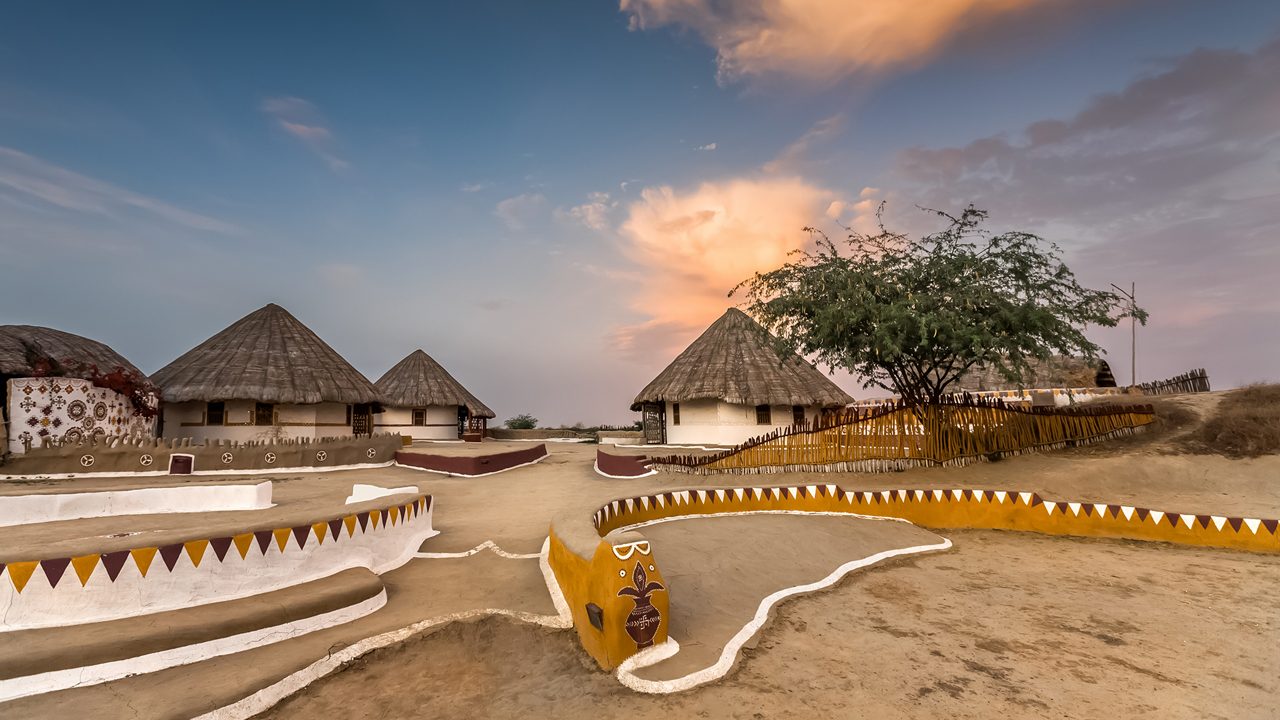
(60, 388)
(421, 400)
(266, 377)
(731, 385)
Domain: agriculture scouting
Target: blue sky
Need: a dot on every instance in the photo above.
(553, 198)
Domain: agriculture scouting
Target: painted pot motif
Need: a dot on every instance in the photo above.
(644, 619)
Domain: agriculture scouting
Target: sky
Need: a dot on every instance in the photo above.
(552, 199)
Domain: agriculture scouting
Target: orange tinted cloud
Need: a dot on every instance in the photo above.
(695, 246)
(821, 39)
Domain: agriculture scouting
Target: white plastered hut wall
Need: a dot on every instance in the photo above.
(716, 422)
(440, 422)
(187, 420)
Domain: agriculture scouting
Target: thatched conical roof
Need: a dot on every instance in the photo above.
(64, 347)
(420, 381)
(268, 356)
(734, 360)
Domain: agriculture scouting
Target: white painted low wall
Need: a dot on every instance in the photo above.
(51, 507)
(380, 548)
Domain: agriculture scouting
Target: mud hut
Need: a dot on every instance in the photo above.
(730, 385)
(267, 376)
(421, 400)
(60, 387)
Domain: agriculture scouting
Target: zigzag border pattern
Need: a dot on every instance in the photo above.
(956, 508)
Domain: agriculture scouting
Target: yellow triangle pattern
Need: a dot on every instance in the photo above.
(243, 542)
(20, 573)
(195, 550)
(142, 557)
(84, 566)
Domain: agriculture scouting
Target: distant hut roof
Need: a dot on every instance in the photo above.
(1058, 371)
(268, 356)
(734, 360)
(420, 381)
(64, 347)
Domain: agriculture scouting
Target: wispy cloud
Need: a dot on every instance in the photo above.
(706, 148)
(594, 213)
(821, 40)
(302, 120)
(518, 212)
(798, 152)
(35, 183)
(475, 187)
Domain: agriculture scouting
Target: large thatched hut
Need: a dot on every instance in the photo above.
(421, 400)
(267, 376)
(63, 387)
(730, 385)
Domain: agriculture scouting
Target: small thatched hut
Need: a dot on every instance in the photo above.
(60, 386)
(730, 385)
(1058, 371)
(421, 400)
(267, 376)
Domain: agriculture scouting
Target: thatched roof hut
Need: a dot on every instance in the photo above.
(734, 360)
(19, 344)
(419, 381)
(1058, 371)
(268, 356)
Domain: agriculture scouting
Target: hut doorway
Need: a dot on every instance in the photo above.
(362, 420)
(655, 423)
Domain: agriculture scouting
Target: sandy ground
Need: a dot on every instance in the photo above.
(1004, 625)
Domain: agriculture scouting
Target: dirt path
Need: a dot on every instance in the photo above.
(1006, 625)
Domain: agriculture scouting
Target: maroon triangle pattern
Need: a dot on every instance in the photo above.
(113, 562)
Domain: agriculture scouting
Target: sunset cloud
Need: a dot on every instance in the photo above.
(302, 120)
(594, 213)
(519, 211)
(694, 245)
(821, 39)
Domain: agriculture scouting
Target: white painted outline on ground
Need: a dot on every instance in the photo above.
(266, 698)
(14, 688)
(729, 654)
(451, 474)
(486, 545)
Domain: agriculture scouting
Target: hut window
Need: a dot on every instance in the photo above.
(763, 416)
(215, 414)
(797, 414)
(675, 413)
(419, 417)
(264, 414)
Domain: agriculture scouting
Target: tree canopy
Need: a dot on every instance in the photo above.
(523, 421)
(911, 315)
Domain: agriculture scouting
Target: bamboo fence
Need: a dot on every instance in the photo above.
(895, 437)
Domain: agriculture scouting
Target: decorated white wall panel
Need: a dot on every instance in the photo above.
(69, 409)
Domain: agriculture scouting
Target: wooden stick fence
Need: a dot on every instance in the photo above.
(1190, 382)
(895, 437)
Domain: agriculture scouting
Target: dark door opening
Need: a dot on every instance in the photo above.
(181, 464)
(362, 420)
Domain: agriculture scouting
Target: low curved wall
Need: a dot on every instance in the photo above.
(599, 579)
(51, 507)
(474, 465)
(92, 587)
(622, 584)
(622, 466)
(955, 508)
(150, 456)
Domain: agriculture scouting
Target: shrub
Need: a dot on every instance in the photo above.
(1245, 424)
(523, 421)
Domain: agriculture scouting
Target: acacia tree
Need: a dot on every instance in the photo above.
(912, 315)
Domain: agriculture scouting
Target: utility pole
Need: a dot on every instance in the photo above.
(1131, 296)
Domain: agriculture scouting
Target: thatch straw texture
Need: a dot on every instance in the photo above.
(267, 356)
(1055, 372)
(62, 346)
(734, 360)
(419, 381)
